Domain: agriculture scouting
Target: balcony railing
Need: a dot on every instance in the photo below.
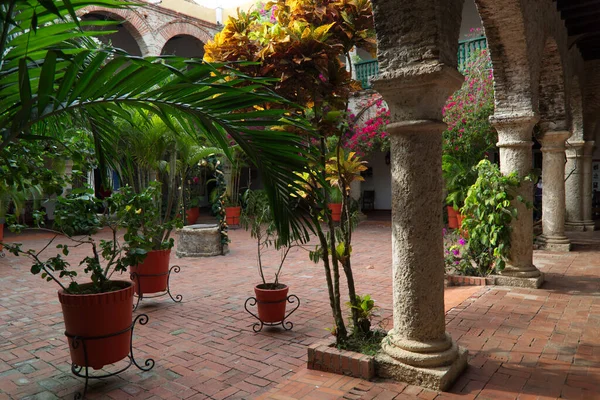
(365, 70)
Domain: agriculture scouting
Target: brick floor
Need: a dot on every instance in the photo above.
(523, 343)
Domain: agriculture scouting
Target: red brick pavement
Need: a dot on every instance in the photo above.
(523, 343)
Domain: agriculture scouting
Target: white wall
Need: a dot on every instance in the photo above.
(380, 182)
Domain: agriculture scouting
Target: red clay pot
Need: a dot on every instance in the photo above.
(191, 215)
(156, 263)
(336, 211)
(271, 303)
(90, 315)
(232, 215)
(452, 217)
(463, 232)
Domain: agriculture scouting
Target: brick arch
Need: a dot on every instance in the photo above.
(553, 103)
(135, 23)
(177, 28)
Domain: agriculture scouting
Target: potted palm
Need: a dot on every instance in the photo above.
(101, 307)
(257, 217)
(148, 228)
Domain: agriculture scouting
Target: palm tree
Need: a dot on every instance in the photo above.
(52, 75)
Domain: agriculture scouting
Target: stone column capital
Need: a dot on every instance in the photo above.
(514, 130)
(553, 141)
(418, 93)
(588, 148)
(574, 149)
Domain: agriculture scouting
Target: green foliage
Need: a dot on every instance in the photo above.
(53, 75)
(76, 213)
(257, 217)
(470, 136)
(217, 197)
(365, 308)
(489, 208)
(147, 227)
(105, 257)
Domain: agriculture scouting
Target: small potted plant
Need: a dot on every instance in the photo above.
(335, 203)
(193, 212)
(103, 305)
(257, 217)
(148, 228)
(232, 201)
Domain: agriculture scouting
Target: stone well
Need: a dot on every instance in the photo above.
(200, 240)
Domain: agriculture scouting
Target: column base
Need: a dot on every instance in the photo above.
(554, 243)
(432, 364)
(578, 226)
(590, 225)
(436, 378)
(518, 281)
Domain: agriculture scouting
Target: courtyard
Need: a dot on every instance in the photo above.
(523, 343)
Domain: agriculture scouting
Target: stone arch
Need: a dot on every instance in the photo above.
(180, 28)
(505, 29)
(135, 23)
(576, 109)
(552, 103)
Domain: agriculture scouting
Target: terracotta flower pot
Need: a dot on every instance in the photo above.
(191, 215)
(232, 215)
(271, 303)
(336, 211)
(157, 264)
(463, 232)
(452, 217)
(92, 315)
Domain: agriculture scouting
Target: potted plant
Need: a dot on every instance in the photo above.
(258, 218)
(102, 306)
(148, 227)
(335, 203)
(232, 201)
(193, 212)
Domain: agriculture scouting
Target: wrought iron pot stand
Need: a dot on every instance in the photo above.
(78, 370)
(287, 325)
(135, 277)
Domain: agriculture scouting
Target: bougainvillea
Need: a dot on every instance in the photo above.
(469, 136)
(367, 127)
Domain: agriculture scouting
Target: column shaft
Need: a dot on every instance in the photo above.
(514, 142)
(574, 186)
(553, 191)
(418, 349)
(588, 150)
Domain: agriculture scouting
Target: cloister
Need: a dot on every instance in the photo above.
(546, 66)
(545, 75)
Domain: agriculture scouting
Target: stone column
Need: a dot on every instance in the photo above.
(553, 191)
(418, 350)
(514, 142)
(574, 186)
(588, 150)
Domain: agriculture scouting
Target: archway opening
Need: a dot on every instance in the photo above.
(184, 46)
(122, 39)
